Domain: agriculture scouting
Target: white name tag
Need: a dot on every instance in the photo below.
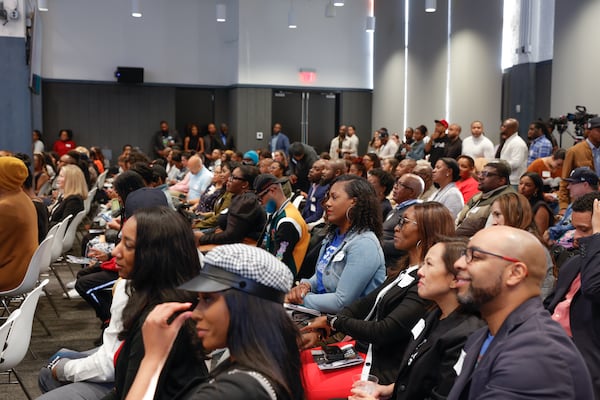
(406, 280)
(459, 364)
(418, 328)
(545, 174)
(313, 208)
(473, 210)
(339, 256)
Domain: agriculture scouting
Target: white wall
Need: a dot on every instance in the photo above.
(338, 48)
(576, 58)
(14, 27)
(475, 89)
(180, 42)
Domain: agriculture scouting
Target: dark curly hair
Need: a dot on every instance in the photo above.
(366, 213)
(385, 179)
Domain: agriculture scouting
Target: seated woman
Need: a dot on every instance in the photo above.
(513, 209)
(445, 173)
(467, 184)
(278, 169)
(209, 220)
(154, 271)
(245, 217)
(240, 293)
(72, 192)
(531, 186)
(343, 272)
(381, 322)
(427, 370)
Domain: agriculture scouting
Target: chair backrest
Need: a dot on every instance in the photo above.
(59, 236)
(71, 231)
(19, 336)
(5, 328)
(87, 203)
(40, 259)
(101, 179)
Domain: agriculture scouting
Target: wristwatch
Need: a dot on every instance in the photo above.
(331, 321)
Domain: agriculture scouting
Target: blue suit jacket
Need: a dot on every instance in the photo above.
(313, 210)
(283, 143)
(531, 357)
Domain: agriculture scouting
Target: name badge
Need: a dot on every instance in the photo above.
(313, 208)
(406, 280)
(418, 328)
(338, 257)
(545, 174)
(473, 210)
(459, 364)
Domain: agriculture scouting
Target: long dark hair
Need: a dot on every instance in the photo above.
(269, 347)
(539, 186)
(365, 215)
(165, 257)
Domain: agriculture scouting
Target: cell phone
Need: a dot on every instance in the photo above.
(333, 353)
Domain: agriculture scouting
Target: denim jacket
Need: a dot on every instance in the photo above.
(356, 268)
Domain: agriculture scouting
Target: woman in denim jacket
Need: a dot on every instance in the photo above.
(351, 262)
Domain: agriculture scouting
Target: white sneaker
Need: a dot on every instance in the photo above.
(71, 285)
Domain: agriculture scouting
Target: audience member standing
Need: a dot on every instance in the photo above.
(225, 137)
(522, 353)
(436, 147)
(354, 141)
(38, 144)
(454, 146)
(18, 224)
(540, 146)
(478, 145)
(279, 141)
(388, 147)
(584, 154)
(513, 150)
(163, 139)
(302, 157)
(65, 142)
(340, 145)
(416, 150)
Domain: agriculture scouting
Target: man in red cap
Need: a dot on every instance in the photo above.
(436, 147)
(18, 224)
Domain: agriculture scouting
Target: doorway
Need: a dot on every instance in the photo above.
(309, 117)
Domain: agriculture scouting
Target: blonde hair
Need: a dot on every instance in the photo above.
(74, 181)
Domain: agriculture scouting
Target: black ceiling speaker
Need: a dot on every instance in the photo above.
(129, 75)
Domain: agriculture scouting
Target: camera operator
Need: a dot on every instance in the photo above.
(584, 154)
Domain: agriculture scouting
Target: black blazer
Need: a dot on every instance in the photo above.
(530, 357)
(427, 369)
(396, 313)
(585, 305)
(70, 205)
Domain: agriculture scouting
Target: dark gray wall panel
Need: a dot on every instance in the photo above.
(356, 110)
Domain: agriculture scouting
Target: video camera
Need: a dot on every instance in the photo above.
(579, 119)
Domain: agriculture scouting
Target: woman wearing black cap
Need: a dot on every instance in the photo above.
(240, 295)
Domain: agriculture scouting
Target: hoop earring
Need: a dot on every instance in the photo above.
(347, 214)
(418, 244)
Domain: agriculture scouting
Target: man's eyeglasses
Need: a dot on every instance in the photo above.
(485, 174)
(404, 185)
(468, 253)
(403, 220)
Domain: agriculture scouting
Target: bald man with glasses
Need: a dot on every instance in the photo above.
(521, 353)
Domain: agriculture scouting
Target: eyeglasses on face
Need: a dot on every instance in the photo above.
(403, 220)
(235, 178)
(485, 174)
(404, 185)
(468, 254)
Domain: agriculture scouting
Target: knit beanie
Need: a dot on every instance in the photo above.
(13, 173)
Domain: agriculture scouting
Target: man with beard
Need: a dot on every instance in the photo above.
(522, 353)
(313, 210)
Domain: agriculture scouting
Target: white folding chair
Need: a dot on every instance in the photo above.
(57, 247)
(87, 203)
(40, 258)
(101, 179)
(19, 337)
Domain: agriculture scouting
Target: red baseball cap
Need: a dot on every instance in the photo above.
(443, 122)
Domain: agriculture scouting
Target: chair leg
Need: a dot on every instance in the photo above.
(43, 326)
(14, 371)
(51, 301)
(60, 282)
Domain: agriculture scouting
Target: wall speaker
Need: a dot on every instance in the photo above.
(129, 75)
